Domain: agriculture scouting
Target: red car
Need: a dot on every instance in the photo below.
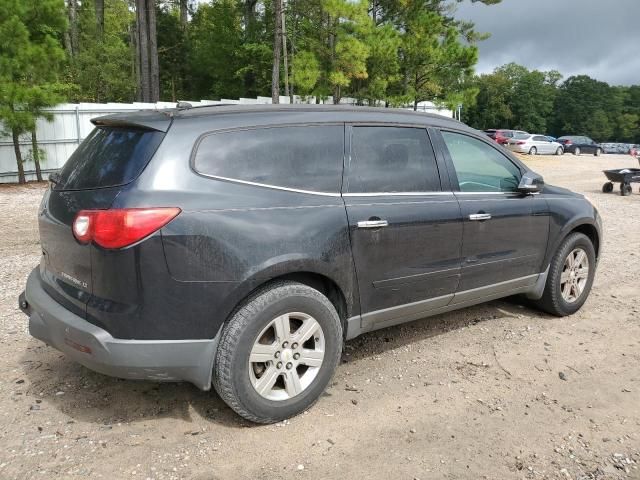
(502, 136)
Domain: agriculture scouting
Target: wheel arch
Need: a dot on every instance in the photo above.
(586, 226)
(318, 275)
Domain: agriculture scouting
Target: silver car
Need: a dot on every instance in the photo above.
(534, 144)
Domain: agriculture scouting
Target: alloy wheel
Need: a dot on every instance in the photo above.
(286, 356)
(575, 275)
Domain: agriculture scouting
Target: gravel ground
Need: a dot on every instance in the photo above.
(495, 391)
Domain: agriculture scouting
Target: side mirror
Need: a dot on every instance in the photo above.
(531, 182)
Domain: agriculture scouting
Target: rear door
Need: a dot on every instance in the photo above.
(542, 144)
(505, 232)
(405, 225)
(91, 179)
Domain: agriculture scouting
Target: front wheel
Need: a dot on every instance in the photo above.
(278, 352)
(576, 151)
(570, 277)
(598, 152)
(607, 187)
(559, 151)
(533, 151)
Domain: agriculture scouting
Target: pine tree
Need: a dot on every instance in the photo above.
(30, 63)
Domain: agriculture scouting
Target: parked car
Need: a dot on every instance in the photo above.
(240, 246)
(534, 144)
(502, 136)
(577, 144)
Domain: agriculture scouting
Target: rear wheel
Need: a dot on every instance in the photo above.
(607, 187)
(598, 152)
(278, 352)
(625, 190)
(533, 151)
(570, 277)
(560, 151)
(576, 151)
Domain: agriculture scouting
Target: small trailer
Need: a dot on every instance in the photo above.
(624, 176)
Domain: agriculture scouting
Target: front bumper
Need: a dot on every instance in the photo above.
(95, 348)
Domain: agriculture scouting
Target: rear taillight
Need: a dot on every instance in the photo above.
(568, 142)
(119, 228)
(520, 142)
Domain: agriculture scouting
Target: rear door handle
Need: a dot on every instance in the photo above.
(480, 216)
(373, 224)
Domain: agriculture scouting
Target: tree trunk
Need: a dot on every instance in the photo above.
(249, 38)
(99, 6)
(135, 64)
(284, 56)
(184, 13)
(16, 148)
(35, 152)
(277, 44)
(154, 68)
(73, 27)
(143, 50)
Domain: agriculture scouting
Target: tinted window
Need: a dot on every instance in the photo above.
(108, 157)
(479, 167)
(304, 158)
(391, 159)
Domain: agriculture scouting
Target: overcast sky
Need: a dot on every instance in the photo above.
(599, 38)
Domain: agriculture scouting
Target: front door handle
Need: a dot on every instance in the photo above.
(373, 224)
(480, 216)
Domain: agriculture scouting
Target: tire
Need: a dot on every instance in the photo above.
(552, 300)
(607, 187)
(625, 190)
(533, 151)
(234, 375)
(576, 151)
(598, 152)
(560, 151)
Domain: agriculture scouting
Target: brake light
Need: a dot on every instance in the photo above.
(520, 142)
(120, 228)
(568, 142)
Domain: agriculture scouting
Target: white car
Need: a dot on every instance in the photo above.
(534, 144)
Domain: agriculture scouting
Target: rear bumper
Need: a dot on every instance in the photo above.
(95, 348)
(518, 148)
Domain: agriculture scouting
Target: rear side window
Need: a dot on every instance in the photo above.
(108, 157)
(302, 158)
(391, 159)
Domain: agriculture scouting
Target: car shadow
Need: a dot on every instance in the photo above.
(83, 395)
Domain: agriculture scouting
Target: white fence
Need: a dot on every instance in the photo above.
(72, 123)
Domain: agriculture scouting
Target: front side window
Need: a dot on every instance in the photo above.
(479, 167)
(391, 159)
(303, 158)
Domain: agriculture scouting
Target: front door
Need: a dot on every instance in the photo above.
(505, 232)
(406, 232)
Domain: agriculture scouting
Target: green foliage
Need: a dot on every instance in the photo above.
(515, 97)
(31, 59)
(104, 68)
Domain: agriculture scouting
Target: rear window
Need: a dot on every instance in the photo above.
(108, 157)
(302, 158)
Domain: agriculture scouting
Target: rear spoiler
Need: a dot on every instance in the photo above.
(146, 119)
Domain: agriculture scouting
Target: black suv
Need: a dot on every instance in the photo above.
(240, 246)
(577, 144)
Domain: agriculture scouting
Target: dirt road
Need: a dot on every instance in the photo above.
(471, 394)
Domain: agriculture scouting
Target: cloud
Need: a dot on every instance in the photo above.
(593, 37)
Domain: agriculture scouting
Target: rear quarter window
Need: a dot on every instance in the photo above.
(302, 158)
(109, 157)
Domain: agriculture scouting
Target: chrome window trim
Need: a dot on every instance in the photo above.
(394, 194)
(265, 185)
